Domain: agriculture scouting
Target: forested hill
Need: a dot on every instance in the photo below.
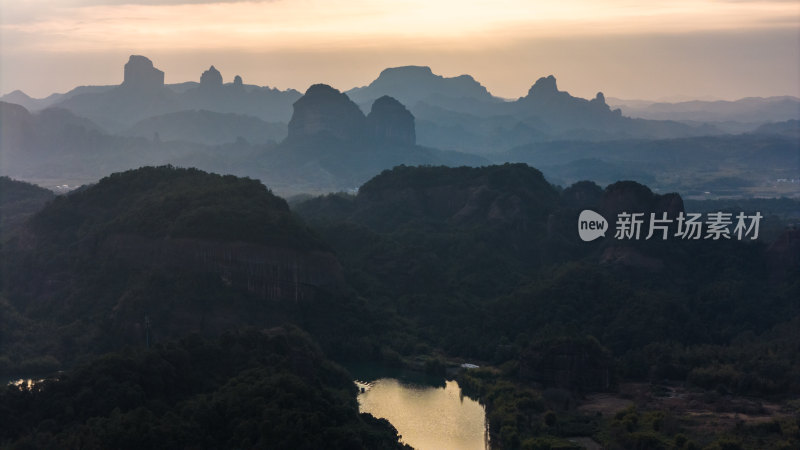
(167, 202)
(487, 262)
(248, 389)
(423, 267)
(426, 195)
(18, 201)
(181, 249)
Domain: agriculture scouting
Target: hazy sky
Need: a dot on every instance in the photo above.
(651, 49)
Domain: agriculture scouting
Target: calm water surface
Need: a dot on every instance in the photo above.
(429, 416)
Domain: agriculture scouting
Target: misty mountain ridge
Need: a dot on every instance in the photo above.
(413, 84)
(460, 114)
(450, 110)
(748, 111)
(207, 127)
(324, 140)
(332, 143)
(143, 94)
(417, 87)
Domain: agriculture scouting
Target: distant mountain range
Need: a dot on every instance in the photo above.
(143, 94)
(329, 144)
(332, 140)
(460, 114)
(413, 84)
(207, 127)
(750, 110)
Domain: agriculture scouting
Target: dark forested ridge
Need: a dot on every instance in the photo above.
(18, 201)
(486, 264)
(248, 389)
(423, 267)
(180, 248)
(496, 250)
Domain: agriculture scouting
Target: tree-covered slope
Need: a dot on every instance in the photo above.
(248, 389)
(163, 251)
(485, 262)
(18, 201)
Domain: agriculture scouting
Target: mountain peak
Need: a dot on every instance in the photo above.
(544, 86)
(141, 74)
(325, 110)
(600, 98)
(16, 94)
(412, 84)
(320, 89)
(407, 71)
(211, 78)
(390, 121)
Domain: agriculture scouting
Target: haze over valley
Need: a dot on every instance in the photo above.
(325, 140)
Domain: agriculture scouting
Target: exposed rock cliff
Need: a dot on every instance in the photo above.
(211, 79)
(324, 110)
(390, 121)
(141, 75)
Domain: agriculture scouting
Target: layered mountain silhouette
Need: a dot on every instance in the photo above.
(722, 165)
(561, 111)
(413, 84)
(332, 142)
(747, 111)
(329, 143)
(56, 141)
(143, 94)
(460, 114)
(207, 127)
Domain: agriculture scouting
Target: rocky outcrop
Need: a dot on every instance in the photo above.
(562, 111)
(390, 121)
(211, 79)
(141, 75)
(143, 95)
(324, 111)
(545, 88)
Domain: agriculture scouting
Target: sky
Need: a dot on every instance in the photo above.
(656, 49)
